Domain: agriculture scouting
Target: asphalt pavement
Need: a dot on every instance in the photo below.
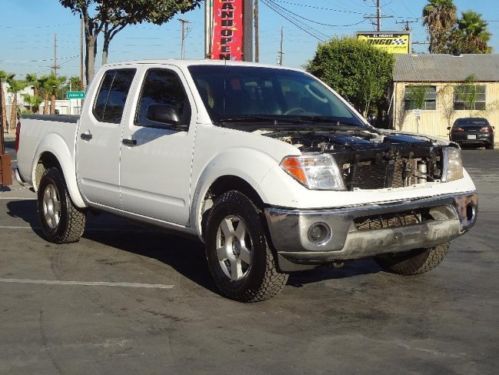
(131, 299)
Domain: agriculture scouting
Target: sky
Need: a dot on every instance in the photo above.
(27, 29)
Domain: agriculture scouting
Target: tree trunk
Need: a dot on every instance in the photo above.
(52, 104)
(3, 109)
(91, 52)
(105, 49)
(46, 104)
(13, 113)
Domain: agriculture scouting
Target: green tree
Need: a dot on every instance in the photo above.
(357, 71)
(73, 84)
(471, 34)
(34, 100)
(111, 16)
(15, 86)
(439, 16)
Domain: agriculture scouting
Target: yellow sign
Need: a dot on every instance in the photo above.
(389, 42)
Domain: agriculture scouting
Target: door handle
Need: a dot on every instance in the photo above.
(129, 142)
(87, 136)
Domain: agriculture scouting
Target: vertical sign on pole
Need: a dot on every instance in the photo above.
(228, 30)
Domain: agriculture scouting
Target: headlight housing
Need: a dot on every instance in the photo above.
(314, 171)
(453, 164)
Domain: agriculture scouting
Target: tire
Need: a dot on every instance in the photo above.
(61, 220)
(413, 262)
(244, 267)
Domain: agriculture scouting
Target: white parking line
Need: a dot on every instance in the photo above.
(17, 199)
(128, 230)
(86, 283)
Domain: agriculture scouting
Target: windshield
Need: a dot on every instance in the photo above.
(245, 94)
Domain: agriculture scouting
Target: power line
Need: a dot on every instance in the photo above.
(319, 7)
(294, 22)
(312, 21)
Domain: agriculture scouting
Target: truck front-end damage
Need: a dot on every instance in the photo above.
(404, 208)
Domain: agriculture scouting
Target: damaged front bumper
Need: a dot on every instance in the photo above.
(305, 239)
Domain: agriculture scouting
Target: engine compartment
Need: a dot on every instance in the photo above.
(372, 159)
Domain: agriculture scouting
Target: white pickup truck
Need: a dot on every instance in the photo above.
(268, 166)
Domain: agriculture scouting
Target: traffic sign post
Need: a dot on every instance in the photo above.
(75, 94)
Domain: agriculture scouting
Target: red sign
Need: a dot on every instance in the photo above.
(227, 30)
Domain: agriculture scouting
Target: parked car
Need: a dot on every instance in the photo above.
(475, 131)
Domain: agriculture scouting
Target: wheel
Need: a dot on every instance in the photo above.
(413, 262)
(62, 221)
(240, 260)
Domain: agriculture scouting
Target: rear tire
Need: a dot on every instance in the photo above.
(240, 260)
(413, 262)
(61, 220)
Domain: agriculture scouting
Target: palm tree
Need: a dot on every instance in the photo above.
(15, 86)
(44, 92)
(53, 85)
(439, 16)
(34, 100)
(472, 33)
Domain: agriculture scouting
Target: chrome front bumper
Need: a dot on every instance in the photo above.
(451, 216)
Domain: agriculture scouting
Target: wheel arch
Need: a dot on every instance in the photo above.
(53, 152)
(218, 187)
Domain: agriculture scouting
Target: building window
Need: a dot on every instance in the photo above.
(469, 97)
(420, 97)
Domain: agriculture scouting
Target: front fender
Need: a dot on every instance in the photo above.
(247, 164)
(55, 144)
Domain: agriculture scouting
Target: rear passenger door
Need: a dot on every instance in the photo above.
(99, 139)
(156, 154)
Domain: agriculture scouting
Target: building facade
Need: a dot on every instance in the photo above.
(431, 91)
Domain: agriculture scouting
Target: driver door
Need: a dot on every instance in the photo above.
(156, 156)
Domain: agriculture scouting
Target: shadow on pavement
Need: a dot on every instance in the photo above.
(184, 254)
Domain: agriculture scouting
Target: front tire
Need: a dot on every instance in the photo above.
(61, 220)
(413, 262)
(240, 260)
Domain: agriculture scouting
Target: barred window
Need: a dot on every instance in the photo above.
(420, 97)
(469, 97)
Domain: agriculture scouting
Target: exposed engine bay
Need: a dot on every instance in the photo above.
(370, 158)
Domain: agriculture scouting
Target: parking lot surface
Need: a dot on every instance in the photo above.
(131, 299)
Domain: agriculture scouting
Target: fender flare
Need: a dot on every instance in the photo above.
(247, 164)
(55, 145)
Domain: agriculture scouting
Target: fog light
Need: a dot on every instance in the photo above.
(319, 233)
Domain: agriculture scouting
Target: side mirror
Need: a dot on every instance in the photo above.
(164, 114)
(448, 127)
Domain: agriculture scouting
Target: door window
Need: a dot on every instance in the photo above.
(111, 99)
(162, 92)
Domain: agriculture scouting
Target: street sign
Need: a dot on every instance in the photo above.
(75, 94)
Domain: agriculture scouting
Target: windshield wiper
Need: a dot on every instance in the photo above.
(274, 120)
(330, 121)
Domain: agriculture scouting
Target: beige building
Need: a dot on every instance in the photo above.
(445, 88)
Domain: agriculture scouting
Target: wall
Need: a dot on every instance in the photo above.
(435, 122)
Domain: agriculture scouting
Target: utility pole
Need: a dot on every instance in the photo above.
(55, 67)
(377, 17)
(208, 28)
(184, 22)
(407, 23)
(280, 54)
(257, 31)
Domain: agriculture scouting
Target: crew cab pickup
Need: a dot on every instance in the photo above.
(268, 166)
